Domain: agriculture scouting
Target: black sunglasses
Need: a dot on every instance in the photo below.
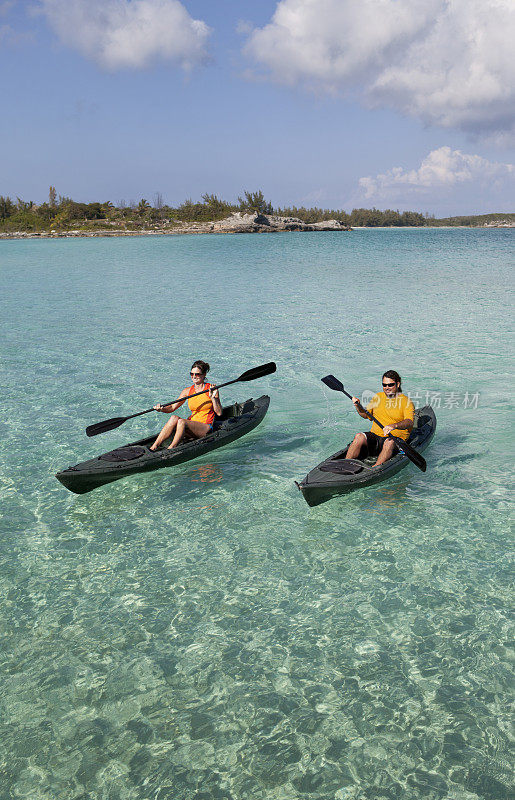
(389, 384)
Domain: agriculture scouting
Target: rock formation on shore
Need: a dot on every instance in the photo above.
(259, 223)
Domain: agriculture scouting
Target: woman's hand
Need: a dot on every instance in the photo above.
(158, 407)
(213, 393)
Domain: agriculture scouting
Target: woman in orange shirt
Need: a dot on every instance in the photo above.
(203, 409)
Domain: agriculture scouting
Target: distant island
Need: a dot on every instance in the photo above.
(62, 216)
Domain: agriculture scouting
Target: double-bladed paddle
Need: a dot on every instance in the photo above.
(115, 422)
(407, 449)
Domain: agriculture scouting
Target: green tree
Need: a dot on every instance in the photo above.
(254, 202)
(215, 207)
(21, 205)
(413, 219)
(46, 212)
(94, 211)
(7, 207)
(143, 207)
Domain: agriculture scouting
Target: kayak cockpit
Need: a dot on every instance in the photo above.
(230, 415)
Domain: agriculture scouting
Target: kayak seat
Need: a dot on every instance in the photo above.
(419, 432)
(343, 466)
(228, 412)
(124, 454)
(421, 423)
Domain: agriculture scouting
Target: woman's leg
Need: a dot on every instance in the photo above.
(198, 429)
(167, 431)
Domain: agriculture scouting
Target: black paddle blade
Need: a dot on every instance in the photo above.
(412, 454)
(258, 372)
(106, 425)
(333, 383)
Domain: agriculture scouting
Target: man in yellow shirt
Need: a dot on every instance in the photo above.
(394, 411)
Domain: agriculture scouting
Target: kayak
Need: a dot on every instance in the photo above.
(340, 475)
(236, 420)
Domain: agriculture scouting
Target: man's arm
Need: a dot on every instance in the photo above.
(359, 408)
(403, 425)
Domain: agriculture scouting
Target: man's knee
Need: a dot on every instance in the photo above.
(388, 446)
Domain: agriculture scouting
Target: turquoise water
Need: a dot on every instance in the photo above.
(202, 634)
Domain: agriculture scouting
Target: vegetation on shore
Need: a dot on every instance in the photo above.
(65, 214)
(477, 221)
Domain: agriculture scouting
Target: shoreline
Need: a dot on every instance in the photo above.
(107, 234)
(236, 223)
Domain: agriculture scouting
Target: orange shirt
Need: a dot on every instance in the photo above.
(201, 407)
(389, 410)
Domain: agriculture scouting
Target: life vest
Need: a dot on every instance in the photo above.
(201, 407)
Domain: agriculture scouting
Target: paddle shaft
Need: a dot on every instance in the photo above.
(182, 399)
(115, 422)
(179, 400)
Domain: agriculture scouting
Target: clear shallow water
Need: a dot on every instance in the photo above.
(201, 633)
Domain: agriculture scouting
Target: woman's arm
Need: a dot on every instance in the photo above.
(215, 399)
(172, 406)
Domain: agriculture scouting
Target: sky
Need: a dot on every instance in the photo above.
(403, 104)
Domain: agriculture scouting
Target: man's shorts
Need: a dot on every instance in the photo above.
(374, 446)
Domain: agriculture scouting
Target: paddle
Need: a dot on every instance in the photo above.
(406, 448)
(115, 422)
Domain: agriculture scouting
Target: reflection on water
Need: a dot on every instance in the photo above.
(389, 495)
(207, 473)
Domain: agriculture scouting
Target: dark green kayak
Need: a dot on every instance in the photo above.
(236, 420)
(340, 475)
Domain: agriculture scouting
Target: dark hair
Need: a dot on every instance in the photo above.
(390, 373)
(202, 365)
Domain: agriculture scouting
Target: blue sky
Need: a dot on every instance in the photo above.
(405, 104)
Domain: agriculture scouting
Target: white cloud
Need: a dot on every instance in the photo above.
(117, 34)
(441, 169)
(446, 62)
